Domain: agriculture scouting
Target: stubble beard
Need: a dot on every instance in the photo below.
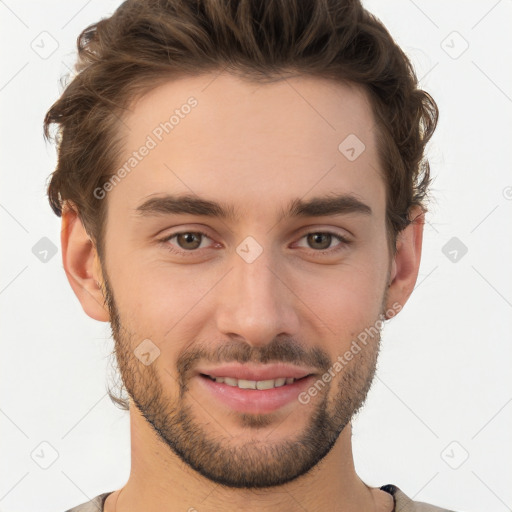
(253, 463)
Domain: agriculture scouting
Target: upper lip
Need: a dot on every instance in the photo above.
(256, 372)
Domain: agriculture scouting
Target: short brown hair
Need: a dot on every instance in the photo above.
(148, 42)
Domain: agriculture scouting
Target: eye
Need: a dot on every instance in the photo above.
(188, 242)
(321, 241)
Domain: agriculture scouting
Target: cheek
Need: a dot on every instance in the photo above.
(349, 304)
(159, 300)
(347, 298)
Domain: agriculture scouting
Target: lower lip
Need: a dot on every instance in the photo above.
(255, 401)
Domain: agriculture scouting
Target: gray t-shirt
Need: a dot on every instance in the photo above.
(402, 502)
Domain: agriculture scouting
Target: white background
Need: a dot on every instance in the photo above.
(443, 389)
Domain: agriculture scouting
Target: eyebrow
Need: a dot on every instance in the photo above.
(193, 205)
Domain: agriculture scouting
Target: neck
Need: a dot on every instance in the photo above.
(160, 481)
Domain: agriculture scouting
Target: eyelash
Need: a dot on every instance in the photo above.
(340, 238)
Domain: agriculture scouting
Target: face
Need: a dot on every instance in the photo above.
(264, 276)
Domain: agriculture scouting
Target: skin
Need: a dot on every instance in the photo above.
(255, 147)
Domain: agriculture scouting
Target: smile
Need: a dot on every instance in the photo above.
(254, 384)
(260, 396)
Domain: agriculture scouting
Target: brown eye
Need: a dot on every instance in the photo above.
(185, 243)
(321, 240)
(189, 241)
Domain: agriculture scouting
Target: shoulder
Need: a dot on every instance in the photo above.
(405, 504)
(94, 505)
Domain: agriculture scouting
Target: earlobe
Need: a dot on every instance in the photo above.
(406, 262)
(80, 261)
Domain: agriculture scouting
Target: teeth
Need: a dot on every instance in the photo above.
(255, 384)
(265, 384)
(246, 384)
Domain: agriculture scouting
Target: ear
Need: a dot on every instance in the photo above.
(81, 264)
(406, 262)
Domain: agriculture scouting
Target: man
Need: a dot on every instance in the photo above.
(205, 148)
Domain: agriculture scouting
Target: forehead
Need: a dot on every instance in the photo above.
(219, 136)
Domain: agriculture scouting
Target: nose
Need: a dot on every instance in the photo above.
(256, 303)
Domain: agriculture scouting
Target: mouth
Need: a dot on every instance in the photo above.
(258, 389)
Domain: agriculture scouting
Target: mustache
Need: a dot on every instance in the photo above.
(279, 350)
